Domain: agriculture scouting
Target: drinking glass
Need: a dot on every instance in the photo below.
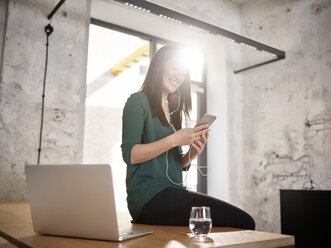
(200, 221)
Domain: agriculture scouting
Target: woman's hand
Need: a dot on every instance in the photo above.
(198, 146)
(195, 149)
(190, 136)
(187, 136)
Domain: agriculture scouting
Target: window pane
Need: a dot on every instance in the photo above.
(107, 91)
(197, 65)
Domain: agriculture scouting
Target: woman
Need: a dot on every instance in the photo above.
(151, 147)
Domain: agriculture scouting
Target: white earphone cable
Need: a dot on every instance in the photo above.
(197, 166)
(189, 153)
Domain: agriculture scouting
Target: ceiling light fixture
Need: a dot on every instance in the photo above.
(204, 27)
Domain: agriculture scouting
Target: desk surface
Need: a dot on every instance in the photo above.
(16, 226)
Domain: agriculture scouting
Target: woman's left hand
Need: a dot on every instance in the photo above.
(197, 147)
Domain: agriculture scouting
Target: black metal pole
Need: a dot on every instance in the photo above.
(55, 9)
(254, 66)
(48, 30)
(204, 26)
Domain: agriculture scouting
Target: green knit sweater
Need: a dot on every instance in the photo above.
(145, 180)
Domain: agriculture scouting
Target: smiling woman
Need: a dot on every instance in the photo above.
(166, 75)
(174, 76)
(152, 137)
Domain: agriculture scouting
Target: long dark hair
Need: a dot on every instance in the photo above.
(153, 86)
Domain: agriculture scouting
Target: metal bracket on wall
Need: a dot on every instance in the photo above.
(59, 4)
(196, 24)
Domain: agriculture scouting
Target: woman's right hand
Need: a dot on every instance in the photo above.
(187, 136)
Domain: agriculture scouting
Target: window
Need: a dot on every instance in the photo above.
(118, 60)
(107, 91)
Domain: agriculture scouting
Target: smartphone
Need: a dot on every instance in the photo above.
(206, 119)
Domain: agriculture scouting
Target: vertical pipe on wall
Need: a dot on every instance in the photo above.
(3, 27)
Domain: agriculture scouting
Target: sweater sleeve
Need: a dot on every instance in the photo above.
(132, 125)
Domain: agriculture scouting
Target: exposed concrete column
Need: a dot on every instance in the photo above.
(21, 88)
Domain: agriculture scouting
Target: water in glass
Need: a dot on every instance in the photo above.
(200, 221)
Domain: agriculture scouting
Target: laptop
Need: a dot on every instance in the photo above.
(75, 201)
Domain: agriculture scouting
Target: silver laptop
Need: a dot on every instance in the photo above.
(75, 201)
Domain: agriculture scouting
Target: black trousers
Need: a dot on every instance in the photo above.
(172, 206)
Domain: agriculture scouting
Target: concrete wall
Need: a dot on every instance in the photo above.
(285, 107)
(21, 88)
